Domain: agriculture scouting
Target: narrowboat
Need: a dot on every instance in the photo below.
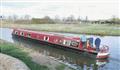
(64, 41)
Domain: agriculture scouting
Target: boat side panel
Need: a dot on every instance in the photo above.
(52, 38)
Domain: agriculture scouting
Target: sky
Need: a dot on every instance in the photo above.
(94, 9)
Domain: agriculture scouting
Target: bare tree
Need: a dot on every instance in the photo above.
(79, 19)
(14, 17)
(47, 18)
(27, 17)
(70, 19)
(57, 19)
(10, 18)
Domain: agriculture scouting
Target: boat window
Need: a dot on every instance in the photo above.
(16, 32)
(21, 33)
(66, 42)
(28, 35)
(74, 44)
(60, 42)
(56, 40)
(46, 38)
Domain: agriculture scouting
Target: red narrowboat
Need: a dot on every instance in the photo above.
(62, 40)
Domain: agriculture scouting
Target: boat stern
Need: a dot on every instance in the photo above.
(103, 53)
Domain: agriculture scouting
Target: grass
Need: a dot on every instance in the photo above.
(94, 29)
(60, 67)
(17, 52)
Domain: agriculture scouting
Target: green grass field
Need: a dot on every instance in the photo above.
(94, 29)
(16, 52)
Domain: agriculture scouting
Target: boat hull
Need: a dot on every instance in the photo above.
(102, 55)
(49, 44)
(62, 41)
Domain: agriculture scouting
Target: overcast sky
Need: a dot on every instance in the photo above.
(94, 9)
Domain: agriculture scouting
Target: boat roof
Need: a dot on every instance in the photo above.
(48, 33)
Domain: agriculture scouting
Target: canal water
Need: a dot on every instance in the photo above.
(77, 60)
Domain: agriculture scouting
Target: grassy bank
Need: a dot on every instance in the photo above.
(33, 59)
(60, 67)
(95, 29)
(16, 52)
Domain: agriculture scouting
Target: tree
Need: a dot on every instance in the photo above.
(47, 18)
(10, 18)
(14, 17)
(71, 18)
(86, 18)
(79, 19)
(57, 19)
(27, 17)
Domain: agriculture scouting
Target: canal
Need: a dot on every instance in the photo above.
(69, 57)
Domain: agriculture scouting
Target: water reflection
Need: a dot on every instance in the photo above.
(79, 60)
